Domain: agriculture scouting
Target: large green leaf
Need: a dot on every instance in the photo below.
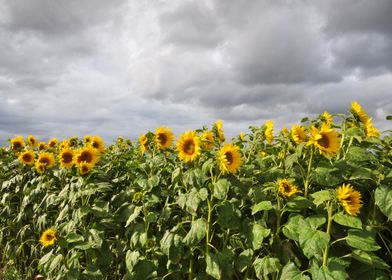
(363, 240)
(321, 196)
(348, 221)
(221, 188)
(265, 266)
(131, 259)
(291, 272)
(263, 205)
(313, 242)
(383, 199)
(257, 235)
(196, 233)
(228, 215)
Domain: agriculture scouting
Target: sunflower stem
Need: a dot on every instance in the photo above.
(307, 179)
(278, 217)
(208, 232)
(348, 147)
(329, 224)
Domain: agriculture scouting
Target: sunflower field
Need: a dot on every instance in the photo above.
(310, 202)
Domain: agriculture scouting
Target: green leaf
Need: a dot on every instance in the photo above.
(221, 188)
(143, 270)
(134, 215)
(45, 258)
(389, 117)
(298, 203)
(348, 221)
(265, 266)
(196, 233)
(264, 205)
(153, 181)
(313, 242)
(203, 194)
(54, 263)
(193, 201)
(383, 199)
(327, 176)
(131, 259)
(321, 196)
(331, 272)
(257, 235)
(171, 246)
(213, 268)
(244, 260)
(228, 215)
(291, 272)
(363, 240)
(370, 259)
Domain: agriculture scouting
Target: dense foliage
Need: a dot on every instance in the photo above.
(312, 202)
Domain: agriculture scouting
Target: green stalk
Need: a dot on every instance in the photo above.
(208, 232)
(278, 217)
(307, 179)
(326, 250)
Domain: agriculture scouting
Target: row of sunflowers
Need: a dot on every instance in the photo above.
(312, 202)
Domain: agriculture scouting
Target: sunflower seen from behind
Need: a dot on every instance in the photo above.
(218, 130)
(164, 137)
(326, 140)
(327, 118)
(229, 158)
(269, 131)
(27, 157)
(349, 199)
(370, 130)
(188, 146)
(358, 112)
(298, 133)
(48, 238)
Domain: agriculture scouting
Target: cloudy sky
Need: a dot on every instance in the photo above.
(122, 67)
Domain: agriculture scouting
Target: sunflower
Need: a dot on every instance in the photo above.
(326, 140)
(241, 136)
(207, 138)
(64, 144)
(356, 108)
(17, 143)
(327, 118)
(229, 158)
(285, 188)
(143, 140)
(46, 159)
(284, 131)
(86, 154)
(298, 133)
(40, 167)
(52, 142)
(48, 237)
(32, 140)
(349, 198)
(218, 130)
(164, 137)
(87, 139)
(42, 146)
(371, 131)
(188, 146)
(85, 168)
(98, 143)
(269, 131)
(66, 158)
(27, 157)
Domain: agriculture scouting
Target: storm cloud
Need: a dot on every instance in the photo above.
(124, 67)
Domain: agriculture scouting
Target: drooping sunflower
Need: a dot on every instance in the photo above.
(48, 238)
(371, 131)
(188, 146)
(66, 158)
(42, 146)
(85, 168)
(17, 143)
(207, 138)
(218, 130)
(98, 143)
(52, 142)
(164, 137)
(349, 198)
(241, 136)
(143, 140)
(286, 188)
(326, 140)
(356, 108)
(229, 158)
(27, 157)
(327, 118)
(269, 131)
(32, 141)
(46, 159)
(298, 133)
(86, 154)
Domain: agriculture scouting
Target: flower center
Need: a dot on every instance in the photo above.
(49, 237)
(67, 157)
(44, 160)
(27, 158)
(162, 138)
(17, 145)
(229, 157)
(323, 141)
(189, 147)
(86, 156)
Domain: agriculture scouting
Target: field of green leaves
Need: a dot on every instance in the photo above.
(313, 201)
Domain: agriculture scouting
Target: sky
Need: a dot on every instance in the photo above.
(122, 68)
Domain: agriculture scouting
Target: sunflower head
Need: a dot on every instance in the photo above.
(188, 146)
(284, 131)
(64, 144)
(218, 130)
(32, 141)
(66, 158)
(52, 142)
(17, 143)
(241, 136)
(286, 188)
(298, 133)
(143, 140)
(46, 159)
(86, 154)
(349, 198)
(327, 118)
(85, 168)
(326, 140)
(98, 143)
(207, 139)
(48, 238)
(42, 146)
(73, 141)
(358, 112)
(371, 131)
(268, 128)
(164, 137)
(229, 158)
(27, 157)
(87, 139)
